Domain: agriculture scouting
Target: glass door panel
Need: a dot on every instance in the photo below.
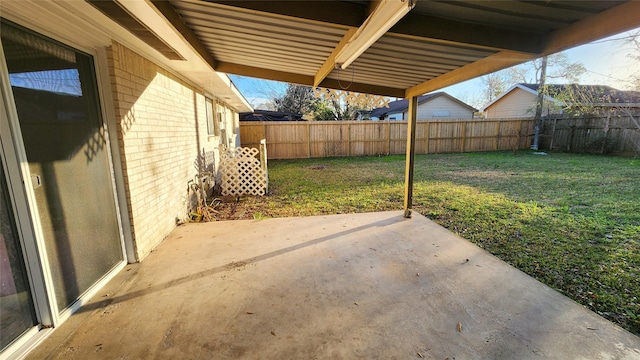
(55, 94)
(17, 313)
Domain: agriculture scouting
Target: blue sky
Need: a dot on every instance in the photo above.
(607, 62)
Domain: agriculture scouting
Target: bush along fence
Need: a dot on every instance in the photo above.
(307, 139)
(601, 135)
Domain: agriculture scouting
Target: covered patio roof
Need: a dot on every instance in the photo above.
(400, 48)
(436, 44)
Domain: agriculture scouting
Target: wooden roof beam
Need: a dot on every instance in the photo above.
(609, 22)
(330, 63)
(495, 62)
(382, 15)
(621, 18)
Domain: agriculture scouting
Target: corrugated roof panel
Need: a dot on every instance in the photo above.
(407, 62)
(207, 9)
(431, 47)
(238, 36)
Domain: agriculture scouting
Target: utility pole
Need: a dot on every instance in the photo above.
(539, 104)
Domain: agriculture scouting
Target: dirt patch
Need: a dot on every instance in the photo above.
(317, 167)
(246, 208)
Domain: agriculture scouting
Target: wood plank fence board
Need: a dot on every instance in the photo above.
(594, 134)
(289, 140)
(302, 139)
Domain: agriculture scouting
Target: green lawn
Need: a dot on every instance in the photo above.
(571, 221)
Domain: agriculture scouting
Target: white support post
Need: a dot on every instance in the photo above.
(410, 159)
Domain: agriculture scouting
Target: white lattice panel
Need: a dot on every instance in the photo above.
(241, 172)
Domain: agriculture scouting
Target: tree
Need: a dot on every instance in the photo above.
(634, 40)
(300, 99)
(495, 84)
(345, 111)
(297, 99)
(540, 103)
(557, 66)
(262, 93)
(323, 111)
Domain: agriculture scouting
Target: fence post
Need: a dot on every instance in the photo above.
(264, 130)
(389, 137)
(553, 133)
(606, 133)
(572, 130)
(348, 139)
(427, 130)
(263, 161)
(464, 134)
(309, 139)
(519, 135)
(497, 140)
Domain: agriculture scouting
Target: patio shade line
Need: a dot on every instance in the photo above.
(227, 266)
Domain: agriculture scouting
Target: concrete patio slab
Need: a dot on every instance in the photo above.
(373, 286)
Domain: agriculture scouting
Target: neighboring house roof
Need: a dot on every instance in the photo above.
(595, 94)
(400, 106)
(599, 95)
(267, 115)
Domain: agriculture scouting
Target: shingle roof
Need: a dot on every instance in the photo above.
(398, 106)
(267, 115)
(598, 94)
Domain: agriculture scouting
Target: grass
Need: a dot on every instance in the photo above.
(570, 221)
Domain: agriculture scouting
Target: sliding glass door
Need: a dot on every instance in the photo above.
(54, 103)
(17, 314)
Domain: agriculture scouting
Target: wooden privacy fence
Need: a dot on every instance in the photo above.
(306, 139)
(603, 134)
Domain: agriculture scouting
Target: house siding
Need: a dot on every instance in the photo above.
(397, 116)
(516, 104)
(441, 103)
(162, 128)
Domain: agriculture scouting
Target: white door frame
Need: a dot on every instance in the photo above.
(18, 180)
(14, 160)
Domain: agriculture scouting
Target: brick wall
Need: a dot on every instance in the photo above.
(161, 130)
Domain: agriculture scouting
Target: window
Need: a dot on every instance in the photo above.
(236, 124)
(220, 119)
(210, 117)
(441, 113)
